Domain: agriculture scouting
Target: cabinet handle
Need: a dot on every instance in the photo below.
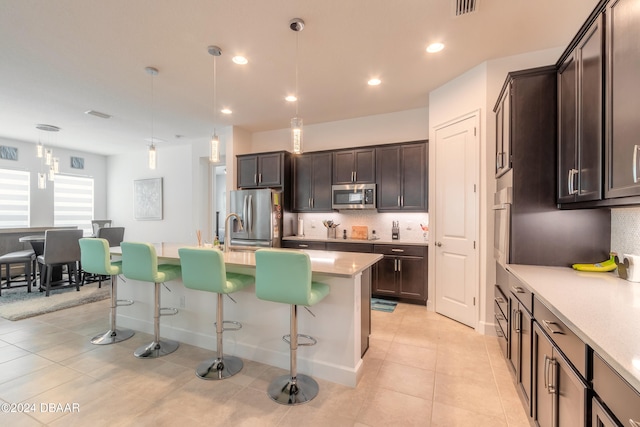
(635, 163)
(517, 289)
(259, 178)
(401, 200)
(312, 202)
(549, 365)
(309, 202)
(301, 245)
(397, 250)
(634, 423)
(352, 176)
(399, 265)
(355, 176)
(395, 264)
(499, 300)
(571, 181)
(499, 316)
(255, 178)
(517, 314)
(398, 200)
(547, 324)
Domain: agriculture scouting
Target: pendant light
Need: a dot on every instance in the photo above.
(214, 149)
(153, 159)
(297, 25)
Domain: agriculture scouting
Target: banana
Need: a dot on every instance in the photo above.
(608, 265)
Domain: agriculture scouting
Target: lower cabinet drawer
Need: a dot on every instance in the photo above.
(292, 244)
(501, 300)
(502, 338)
(621, 399)
(573, 348)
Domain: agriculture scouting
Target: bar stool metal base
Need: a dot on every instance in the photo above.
(112, 336)
(156, 349)
(219, 369)
(289, 391)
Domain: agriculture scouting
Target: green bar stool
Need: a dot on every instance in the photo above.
(95, 259)
(204, 270)
(285, 276)
(140, 262)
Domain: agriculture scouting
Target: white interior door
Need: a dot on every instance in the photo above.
(456, 259)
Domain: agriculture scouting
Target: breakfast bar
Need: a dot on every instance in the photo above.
(338, 322)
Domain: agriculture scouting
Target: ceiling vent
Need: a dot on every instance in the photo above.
(463, 7)
(98, 114)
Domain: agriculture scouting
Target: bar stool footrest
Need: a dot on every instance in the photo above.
(237, 325)
(312, 340)
(293, 391)
(168, 311)
(124, 302)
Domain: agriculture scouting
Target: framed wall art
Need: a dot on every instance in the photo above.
(147, 199)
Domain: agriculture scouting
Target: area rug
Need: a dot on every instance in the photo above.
(383, 305)
(16, 304)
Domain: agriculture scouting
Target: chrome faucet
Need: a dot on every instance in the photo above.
(227, 234)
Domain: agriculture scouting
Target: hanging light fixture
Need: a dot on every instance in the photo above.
(214, 149)
(42, 181)
(153, 159)
(39, 149)
(56, 165)
(297, 25)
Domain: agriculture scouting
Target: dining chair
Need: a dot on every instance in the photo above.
(61, 248)
(96, 224)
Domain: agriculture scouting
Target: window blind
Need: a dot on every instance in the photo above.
(73, 202)
(14, 198)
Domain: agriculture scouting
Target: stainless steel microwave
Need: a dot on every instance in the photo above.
(353, 196)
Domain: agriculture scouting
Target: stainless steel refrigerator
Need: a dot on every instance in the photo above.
(264, 219)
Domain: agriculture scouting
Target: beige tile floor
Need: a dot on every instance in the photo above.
(422, 369)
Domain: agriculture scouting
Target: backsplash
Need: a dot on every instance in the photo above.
(410, 230)
(625, 230)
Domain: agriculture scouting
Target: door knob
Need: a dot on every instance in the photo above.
(438, 244)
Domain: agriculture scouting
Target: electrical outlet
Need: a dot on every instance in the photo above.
(183, 302)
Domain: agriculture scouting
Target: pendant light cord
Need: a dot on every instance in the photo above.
(215, 100)
(297, 97)
(152, 99)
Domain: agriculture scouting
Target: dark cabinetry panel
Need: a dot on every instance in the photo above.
(623, 98)
(263, 170)
(580, 144)
(402, 172)
(401, 273)
(618, 396)
(304, 244)
(312, 182)
(354, 166)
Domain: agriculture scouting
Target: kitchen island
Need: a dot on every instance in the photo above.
(337, 325)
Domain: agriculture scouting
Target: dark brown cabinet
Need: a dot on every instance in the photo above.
(560, 393)
(622, 99)
(503, 133)
(580, 103)
(354, 166)
(520, 343)
(312, 182)
(401, 175)
(304, 244)
(621, 400)
(401, 273)
(263, 170)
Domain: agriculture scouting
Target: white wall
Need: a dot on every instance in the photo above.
(95, 166)
(409, 125)
(478, 89)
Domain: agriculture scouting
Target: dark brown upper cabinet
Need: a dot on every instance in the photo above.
(312, 182)
(265, 170)
(580, 136)
(622, 99)
(402, 173)
(354, 166)
(503, 133)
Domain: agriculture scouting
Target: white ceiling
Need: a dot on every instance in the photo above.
(61, 58)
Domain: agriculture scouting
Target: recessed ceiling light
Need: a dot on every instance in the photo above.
(435, 47)
(291, 98)
(240, 60)
(226, 111)
(374, 82)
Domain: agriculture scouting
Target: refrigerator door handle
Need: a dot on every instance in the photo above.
(249, 223)
(244, 209)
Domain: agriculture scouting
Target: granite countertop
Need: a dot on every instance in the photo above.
(600, 308)
(331, 263)
(368, 241)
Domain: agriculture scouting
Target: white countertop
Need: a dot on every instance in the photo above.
(331, 263)
(600, 308)
(368, 241)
